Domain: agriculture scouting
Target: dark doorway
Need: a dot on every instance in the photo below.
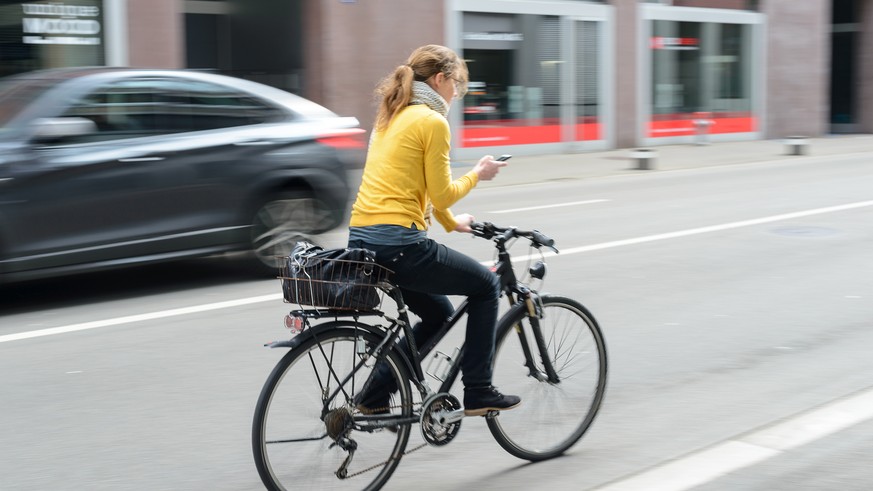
(259, 41)
(844, 66)
(490, 76)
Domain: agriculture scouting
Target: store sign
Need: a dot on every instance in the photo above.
(493, 36)
(659, 42)
(58, 23)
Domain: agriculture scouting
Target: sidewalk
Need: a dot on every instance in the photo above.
(538, 168)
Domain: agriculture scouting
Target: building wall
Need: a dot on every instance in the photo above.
(626, 76)
(156, 35)
(797, 68)
(351, 46)
(865, 68)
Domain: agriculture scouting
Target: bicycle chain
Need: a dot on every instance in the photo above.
(380, 464)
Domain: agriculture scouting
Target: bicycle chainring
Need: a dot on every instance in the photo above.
(434, 410)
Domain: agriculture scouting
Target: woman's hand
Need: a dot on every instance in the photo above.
(463, 222)
(487, 167)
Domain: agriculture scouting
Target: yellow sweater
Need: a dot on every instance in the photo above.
(407, 168)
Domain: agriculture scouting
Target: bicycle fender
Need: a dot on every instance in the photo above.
(346, 325)
(312, 331)
(288, 343)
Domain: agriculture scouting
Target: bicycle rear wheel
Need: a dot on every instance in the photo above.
(552, 416)
(304, 429)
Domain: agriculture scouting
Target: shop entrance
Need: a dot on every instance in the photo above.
(487, 97)
(845, 33)
(537, 82)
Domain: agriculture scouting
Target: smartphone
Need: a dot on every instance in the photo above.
(503, 158)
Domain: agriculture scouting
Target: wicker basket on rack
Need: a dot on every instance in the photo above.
(344, 279)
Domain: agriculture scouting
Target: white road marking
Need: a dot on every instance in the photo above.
(714, 462)
(556, 205)
(696, 469)
(574, 250)
(701, 230)
(139, 317)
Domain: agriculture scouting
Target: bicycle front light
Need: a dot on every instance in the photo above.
(538, 270)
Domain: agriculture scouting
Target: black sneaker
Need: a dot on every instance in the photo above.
(479, 401)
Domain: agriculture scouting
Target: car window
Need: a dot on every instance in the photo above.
(119, 110)
(158, 106)
(194, 105)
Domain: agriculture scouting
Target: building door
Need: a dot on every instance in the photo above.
(844, 53)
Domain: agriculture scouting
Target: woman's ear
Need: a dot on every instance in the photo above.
(436, 81)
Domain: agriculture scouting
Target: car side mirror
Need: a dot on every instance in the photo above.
(58, 128)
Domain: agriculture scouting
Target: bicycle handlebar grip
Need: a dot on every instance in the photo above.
(483, 229)
(542, 238)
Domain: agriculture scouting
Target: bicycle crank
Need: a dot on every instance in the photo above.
(441, 416)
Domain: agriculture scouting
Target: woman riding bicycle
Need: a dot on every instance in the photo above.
(407, 179)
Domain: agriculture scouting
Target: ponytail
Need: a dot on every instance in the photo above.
(396, 92)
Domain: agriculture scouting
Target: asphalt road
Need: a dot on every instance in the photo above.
(735, 301)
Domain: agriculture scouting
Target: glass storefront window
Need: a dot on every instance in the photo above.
(35, 35)
(517, 77)
(701, 71)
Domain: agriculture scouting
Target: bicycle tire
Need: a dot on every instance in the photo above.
(290, 407)
(552, 417)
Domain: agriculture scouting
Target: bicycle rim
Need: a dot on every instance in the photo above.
(552, 416)
(293, 446)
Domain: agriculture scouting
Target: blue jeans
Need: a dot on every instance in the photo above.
(428, 271)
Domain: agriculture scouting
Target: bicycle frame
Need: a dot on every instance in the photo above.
(516, 294)
(367, 366)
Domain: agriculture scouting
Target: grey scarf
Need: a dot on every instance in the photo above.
(422, 93)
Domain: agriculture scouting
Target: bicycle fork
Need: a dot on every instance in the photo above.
(534, 314)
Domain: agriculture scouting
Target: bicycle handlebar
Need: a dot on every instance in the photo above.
(488, 230)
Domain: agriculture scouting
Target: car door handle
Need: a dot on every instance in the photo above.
(254, 143)
(141, 159)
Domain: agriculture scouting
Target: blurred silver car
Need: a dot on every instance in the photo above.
(106, 167)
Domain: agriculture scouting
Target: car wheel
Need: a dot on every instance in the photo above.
(279, 223)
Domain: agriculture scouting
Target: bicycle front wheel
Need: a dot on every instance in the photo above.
(309, 433)
(554, 414)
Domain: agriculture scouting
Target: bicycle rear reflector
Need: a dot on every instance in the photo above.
(294, 323)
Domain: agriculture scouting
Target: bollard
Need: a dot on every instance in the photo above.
(645, 158)
(702, 122)
(796, 145)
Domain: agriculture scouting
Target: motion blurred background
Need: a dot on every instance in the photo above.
(547, 76)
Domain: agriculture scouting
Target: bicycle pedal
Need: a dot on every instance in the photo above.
(491, 414)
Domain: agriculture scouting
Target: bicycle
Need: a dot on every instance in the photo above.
(311, 432)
